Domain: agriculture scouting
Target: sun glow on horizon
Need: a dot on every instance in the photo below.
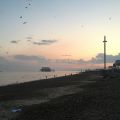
(59, 30)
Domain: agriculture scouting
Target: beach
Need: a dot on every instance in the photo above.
(60, 60)
(85, 96)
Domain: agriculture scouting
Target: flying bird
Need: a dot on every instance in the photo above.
(15, 41)
(7, 53)
(20, 16)
(26, 7)
(24, 22)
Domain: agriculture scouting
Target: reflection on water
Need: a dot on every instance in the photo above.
(19, 77)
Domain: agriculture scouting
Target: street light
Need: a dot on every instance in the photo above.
(104, 52)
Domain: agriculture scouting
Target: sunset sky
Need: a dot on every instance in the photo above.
(63, 34)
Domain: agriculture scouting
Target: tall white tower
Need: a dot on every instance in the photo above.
(104, 52)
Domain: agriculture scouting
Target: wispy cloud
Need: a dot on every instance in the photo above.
(29, 58)
(45, 42)
(25, 62)
(99, 58)
(48, 41)
(40, 43)
(15, 65)
(2, 59)
(66, 55)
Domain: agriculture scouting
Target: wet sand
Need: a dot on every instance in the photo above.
(84, 96)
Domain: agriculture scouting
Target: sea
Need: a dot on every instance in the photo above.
(7, 78)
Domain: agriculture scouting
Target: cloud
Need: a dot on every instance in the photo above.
(48, 41)
(15, 41)
(66, 55)
(22, 63)
(2, 59)
(31, 63)
(99, 59)
(40, 43)
(45, 42)
(29, 58)
(81, 61)
(9, 65)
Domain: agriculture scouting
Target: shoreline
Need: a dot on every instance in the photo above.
(39, 84)
(9, 78)
(42, 91)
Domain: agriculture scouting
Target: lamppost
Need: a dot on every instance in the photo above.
(104, 52)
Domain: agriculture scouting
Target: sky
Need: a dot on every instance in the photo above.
(62, 34)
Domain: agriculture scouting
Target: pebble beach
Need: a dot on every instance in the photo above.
(85, 96)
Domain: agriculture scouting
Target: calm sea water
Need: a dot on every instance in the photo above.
(20, 77)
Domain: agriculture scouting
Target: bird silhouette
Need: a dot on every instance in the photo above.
(24, 22)
(7, 53)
